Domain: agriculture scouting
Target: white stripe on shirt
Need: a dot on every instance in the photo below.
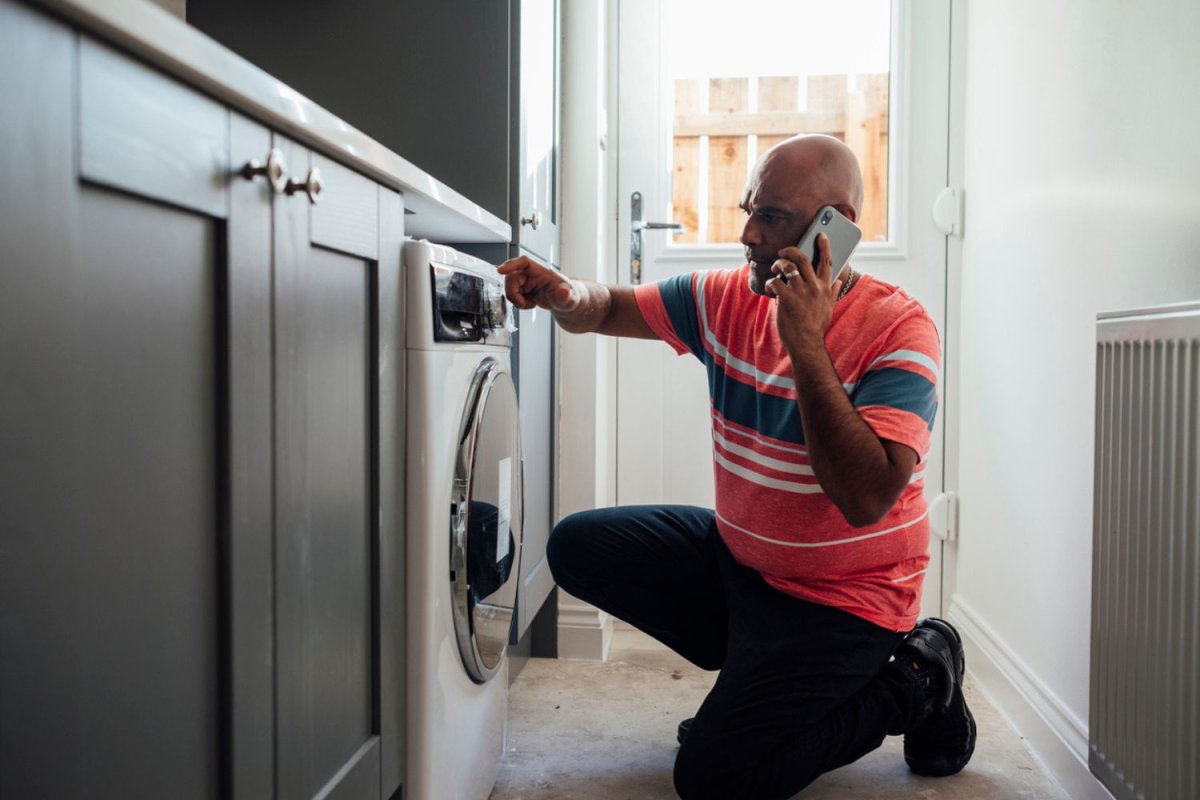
(763, 480)
(759, 458)
(737, 364)
(752, 434)
(849, 540)
(913, 356)
(908, 577)
(771, 463)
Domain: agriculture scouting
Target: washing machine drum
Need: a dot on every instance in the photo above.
(485, 521)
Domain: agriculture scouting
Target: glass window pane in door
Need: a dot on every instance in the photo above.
(746, 75)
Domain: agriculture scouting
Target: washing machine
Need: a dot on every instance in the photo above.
(464, 515)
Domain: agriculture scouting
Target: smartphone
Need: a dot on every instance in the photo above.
(843, 235)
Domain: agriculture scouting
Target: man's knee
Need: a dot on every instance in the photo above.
(567, 541)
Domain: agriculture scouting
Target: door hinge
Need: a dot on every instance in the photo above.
(948, 211)
(943, 516)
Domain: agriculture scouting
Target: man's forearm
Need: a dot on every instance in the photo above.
(588, 308)
(847, 458)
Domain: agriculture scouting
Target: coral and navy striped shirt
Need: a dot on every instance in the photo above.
(771, 511)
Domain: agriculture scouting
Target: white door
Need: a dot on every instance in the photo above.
(691, 71)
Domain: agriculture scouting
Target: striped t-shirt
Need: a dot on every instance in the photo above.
(771, 511)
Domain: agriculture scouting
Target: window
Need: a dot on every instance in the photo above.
(746, 75)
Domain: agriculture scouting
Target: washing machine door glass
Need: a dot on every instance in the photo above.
(486, 516)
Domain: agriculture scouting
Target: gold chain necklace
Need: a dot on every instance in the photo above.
(851, 277)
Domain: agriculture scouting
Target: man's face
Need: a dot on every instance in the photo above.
(777, 214)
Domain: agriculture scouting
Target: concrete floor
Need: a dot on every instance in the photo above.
(585, 730)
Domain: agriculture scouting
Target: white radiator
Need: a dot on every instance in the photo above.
(1145, 660)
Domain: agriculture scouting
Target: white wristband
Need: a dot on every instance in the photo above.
(579, 293)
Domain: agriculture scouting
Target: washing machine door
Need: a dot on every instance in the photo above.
(485, 520)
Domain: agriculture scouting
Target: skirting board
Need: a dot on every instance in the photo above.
(1057, 737)
(584, 631)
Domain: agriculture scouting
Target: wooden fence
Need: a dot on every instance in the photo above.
(852, 108)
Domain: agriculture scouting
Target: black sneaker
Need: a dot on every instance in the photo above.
(944, 741)
(682, 732)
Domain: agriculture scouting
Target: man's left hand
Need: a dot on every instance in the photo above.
(805, 296)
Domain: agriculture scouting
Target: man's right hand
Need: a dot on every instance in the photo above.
(528, 284)
(578, 306)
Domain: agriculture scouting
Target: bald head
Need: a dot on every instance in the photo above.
(822, 167)
(788, 185)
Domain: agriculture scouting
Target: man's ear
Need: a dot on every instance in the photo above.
(848, 211)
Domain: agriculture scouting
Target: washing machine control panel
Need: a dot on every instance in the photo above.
(468, 307)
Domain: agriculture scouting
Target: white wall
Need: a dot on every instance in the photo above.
(1082, 174)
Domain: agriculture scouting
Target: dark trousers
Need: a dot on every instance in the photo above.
(803, 688)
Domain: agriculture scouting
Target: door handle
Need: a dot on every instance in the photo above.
(636, 226)
(311, 186)
(275, 171)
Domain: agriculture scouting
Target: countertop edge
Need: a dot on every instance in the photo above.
(146, 31)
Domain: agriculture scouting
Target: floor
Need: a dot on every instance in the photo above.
(586, 730)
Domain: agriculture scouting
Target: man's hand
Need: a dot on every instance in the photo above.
(862, 474)
(528, 284)
(805, 298)
(578, 306)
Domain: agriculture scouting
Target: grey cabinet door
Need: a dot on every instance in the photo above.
(535, 377)
(329, 481)
(111, 426)
(201, 558)
(536, 73)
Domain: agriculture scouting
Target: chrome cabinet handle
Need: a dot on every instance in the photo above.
(311, 186)
(533, 220)
(275, 171)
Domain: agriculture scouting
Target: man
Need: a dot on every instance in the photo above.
(806, 579)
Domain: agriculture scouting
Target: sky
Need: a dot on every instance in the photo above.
(744, 38)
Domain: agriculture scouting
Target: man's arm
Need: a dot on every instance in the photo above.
(862, 474)
(578, 306)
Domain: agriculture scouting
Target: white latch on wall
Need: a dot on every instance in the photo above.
(948, 211)
(943, 516)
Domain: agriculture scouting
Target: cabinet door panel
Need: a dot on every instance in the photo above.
(535, 353)
(326, 496)
(141, 467)
(145, 133)
(111, 562)
(347, 216)
(109, 566)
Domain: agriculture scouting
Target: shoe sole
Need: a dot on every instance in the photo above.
(940, 769)
(944, 769)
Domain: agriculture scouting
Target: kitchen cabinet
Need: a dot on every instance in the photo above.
(469, 92)
(200, 444)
